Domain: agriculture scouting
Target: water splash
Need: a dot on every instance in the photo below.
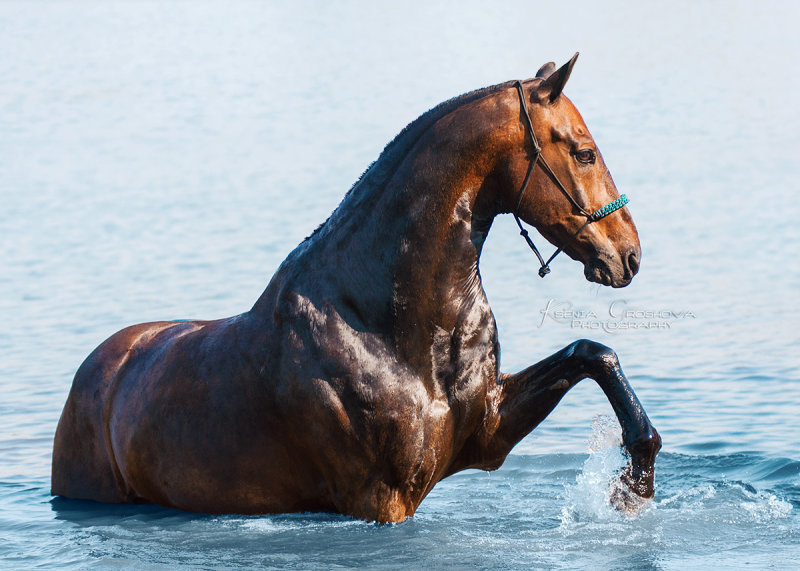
(606, 434)
(589, 499)
(694, 501)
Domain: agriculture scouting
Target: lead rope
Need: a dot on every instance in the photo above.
(598, 214)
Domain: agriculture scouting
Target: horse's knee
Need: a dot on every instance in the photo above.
(594, 356)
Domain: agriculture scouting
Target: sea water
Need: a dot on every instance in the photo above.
(158, 161)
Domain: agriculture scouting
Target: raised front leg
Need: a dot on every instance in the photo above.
(526, 398)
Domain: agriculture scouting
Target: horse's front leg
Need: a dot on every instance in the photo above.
(526, 399)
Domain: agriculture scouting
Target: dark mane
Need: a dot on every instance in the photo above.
(398, 148)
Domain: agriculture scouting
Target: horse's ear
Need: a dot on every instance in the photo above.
(553, 84)
(546, 70)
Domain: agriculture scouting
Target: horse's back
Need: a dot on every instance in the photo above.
(84, 466)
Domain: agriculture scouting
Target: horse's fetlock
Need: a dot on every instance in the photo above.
(651, 440)
(644, 447)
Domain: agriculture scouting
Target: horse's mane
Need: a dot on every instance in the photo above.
(394, 152)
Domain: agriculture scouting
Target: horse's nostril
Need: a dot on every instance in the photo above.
(633, 261)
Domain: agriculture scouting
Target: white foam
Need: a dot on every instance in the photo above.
(589, 498)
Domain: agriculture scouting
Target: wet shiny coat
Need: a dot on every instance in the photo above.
(368, 369)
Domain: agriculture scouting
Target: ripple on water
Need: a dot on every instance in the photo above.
(129, 194)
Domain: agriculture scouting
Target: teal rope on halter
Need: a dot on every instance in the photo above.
(610, 208)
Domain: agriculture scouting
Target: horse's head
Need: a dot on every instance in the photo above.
(607, 247)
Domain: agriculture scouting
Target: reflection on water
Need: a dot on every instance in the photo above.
(159, 161)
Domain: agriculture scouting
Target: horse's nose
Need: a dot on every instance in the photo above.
(633, 261)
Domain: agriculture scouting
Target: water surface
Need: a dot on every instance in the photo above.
(159, 161)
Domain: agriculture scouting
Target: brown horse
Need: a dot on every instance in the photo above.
(368, 370)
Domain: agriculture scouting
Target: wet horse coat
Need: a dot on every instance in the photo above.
(367, 371)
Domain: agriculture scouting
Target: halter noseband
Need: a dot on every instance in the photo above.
(598, 214)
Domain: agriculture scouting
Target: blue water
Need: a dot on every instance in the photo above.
(159, 161)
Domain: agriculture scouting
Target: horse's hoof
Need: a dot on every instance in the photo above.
(626, 501)
(632, 491)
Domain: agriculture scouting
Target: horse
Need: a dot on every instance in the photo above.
(368, 370)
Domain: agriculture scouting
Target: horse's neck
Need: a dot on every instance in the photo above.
(402, 255)
(436, 276)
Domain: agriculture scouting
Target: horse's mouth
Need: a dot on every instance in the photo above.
(601, 274)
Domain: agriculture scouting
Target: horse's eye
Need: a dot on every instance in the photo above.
(586, 156)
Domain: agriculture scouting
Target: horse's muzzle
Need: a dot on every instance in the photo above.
(617, 272)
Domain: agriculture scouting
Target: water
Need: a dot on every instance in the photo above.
(159, 161)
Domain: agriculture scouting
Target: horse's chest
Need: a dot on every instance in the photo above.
(406, 409)
(425, 414)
